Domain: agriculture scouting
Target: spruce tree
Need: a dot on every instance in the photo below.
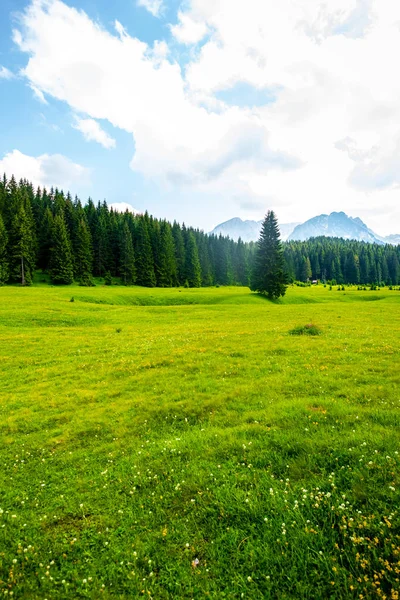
(22, 247)
(306, 272)
(268, 275)
(179, 245)
(144, 256)
(167, 270)
(61, 264)
(44, 238)
(4, 272)
(83, 254)
(193, 269)
(127, 256)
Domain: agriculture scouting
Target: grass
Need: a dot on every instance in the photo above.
(309, 329)
(181, 444)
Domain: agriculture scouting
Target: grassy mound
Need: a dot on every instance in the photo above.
(309, 329)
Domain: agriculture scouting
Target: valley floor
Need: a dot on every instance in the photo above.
(182, 444)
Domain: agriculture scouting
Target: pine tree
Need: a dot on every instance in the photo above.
(179, 245)
(144, 256)
(306, 272)
(4, 272)
(83, 254)
(240, 264)
(127, 267)
(22, 248)
(44, 238)
(193, 269)
(167, 271)
(205, 263)
(61, 264)
(3, 193)
(268, 275)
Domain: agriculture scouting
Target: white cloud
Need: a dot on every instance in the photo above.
(123, 207)
(189, 30)
(46, 170)
(6, 73)
(376, 168)
(138, 90)
(153, 6)
(92, 132)
(332, 67)
(38, 94)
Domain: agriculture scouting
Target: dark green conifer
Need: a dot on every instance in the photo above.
(83, 254)
(22, 247)
(61, 265)
(4, 271)
(144, 256)
(193, 269)
(45, 239)
(180, 258)
(167, 270)
(268, 275)
(127, 256)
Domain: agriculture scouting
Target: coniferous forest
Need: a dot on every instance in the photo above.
(50, 231)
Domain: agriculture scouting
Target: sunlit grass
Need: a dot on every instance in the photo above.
(181, 444)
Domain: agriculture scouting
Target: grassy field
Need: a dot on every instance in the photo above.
(182, 444)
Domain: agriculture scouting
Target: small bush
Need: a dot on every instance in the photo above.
(118, 330)
(72, 299)
(309, 329)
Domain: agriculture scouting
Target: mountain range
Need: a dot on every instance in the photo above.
(337, 224)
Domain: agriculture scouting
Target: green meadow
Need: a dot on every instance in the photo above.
(179, 444)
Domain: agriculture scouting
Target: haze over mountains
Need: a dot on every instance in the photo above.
(337, 224)
(248, 231)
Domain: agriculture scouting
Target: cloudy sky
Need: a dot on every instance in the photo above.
(203, 110)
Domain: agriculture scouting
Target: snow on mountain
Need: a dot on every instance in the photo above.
(337, 224)
(248, 231)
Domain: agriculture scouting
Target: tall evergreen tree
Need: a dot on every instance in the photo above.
(144, 256)
(167, 271)
(127, 255)
(22, 247)
(193, 269)
(306, 272)
(4, 272)
(268, 275)
(180, 259)
(45, 231)
(83, 254)
(61, 265)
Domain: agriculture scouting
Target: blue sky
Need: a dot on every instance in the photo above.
(36, 128)
(201, 111)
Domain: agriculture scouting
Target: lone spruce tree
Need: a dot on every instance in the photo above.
(269, 277)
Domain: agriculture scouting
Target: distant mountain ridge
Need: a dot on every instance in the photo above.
(337, 224)
(248, 231)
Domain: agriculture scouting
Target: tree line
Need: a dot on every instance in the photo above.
(342, 261)
(49, 230)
